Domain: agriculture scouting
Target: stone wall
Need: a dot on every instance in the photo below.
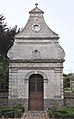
(52, 102)
(69, 99)
(24, 102)
(3, 98)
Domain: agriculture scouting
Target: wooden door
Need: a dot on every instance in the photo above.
(36, 92)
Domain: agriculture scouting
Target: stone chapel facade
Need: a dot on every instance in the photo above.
(36, 65)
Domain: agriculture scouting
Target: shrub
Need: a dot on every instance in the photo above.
(50, 112)
(9, 114)
(0, 114)
(11, 111)
(63, 112)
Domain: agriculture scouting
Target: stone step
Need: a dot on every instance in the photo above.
(35, 115)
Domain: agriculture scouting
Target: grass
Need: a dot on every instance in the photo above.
(69, 89)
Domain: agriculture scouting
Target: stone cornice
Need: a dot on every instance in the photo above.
(37, 61)
(37, 38)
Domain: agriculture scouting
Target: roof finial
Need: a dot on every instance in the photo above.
(36, 4)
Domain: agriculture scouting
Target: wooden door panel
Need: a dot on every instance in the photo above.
(32, 105)
(36, 95)
(36, 104)
(36, 92)
(39, 105)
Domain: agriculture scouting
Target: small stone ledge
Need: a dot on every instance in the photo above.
(37, 61)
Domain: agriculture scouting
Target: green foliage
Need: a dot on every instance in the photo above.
(69, 90)
(50, 112)
(19, 107)
(62, 112)
(11, 111)
(3, 74)
(6, 41)
(3, 68)
(73, 90)
(9, 114)
(6, 36)
(66, 80)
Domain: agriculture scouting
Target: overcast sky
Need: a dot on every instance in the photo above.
(58, 14)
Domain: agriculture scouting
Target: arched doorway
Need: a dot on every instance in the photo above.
(36, 92)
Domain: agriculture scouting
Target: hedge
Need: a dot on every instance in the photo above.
(63, 112)
(11, 111)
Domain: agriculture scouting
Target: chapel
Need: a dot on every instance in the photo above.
(36, 65)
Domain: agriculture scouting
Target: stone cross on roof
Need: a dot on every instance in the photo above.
(36, 4)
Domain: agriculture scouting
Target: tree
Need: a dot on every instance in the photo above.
(6, 37)
(2, 34)
(9, 38)
(67, 80)
(6, 41)
(3, 74)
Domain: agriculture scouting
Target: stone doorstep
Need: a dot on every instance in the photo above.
(35, 115)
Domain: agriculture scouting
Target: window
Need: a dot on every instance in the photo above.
(32, 86)
(36, 83)
(39, 86)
